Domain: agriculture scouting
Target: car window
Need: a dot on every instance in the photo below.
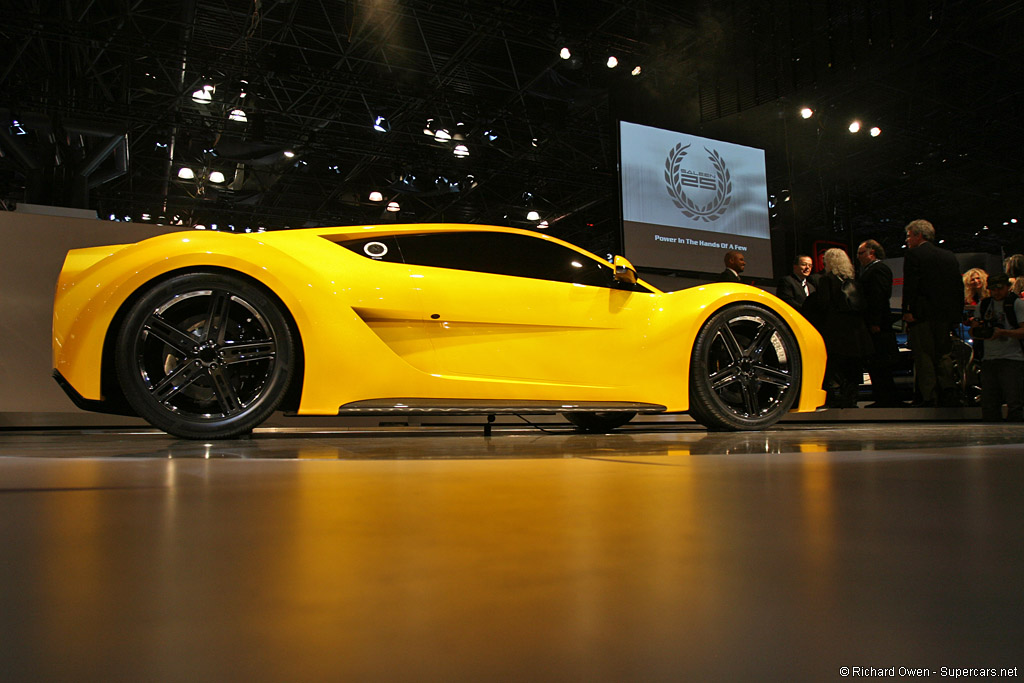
(506, 254)
(376, 248)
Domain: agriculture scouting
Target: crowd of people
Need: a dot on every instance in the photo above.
(851, 309)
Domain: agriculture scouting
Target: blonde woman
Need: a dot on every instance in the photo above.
(836, 308)
(974, 287)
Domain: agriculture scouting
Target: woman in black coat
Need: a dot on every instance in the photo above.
(836, 309)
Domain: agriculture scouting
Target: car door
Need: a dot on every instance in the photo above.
(514, 307)
(383, 291)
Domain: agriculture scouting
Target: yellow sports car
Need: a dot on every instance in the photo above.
(204, 334)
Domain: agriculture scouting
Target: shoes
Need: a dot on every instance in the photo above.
(886, 404)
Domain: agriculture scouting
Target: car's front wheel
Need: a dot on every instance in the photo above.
(745, 370)
(205, 356)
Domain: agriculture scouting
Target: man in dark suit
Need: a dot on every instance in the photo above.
(794, 288)
(875, 282)
(933, 293)
(735, 263)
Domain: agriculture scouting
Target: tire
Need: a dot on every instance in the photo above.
(205, 356)
(598, 423)
(745, 370)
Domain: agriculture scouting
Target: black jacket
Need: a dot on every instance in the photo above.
(790, 291)
(844, 331)
(933, 289)
(727, 276)
(875, 283)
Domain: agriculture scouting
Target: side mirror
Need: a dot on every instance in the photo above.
(624, 270)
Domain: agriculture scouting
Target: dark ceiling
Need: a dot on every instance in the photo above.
(103, 95)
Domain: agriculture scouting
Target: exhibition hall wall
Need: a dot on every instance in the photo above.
(34, 246)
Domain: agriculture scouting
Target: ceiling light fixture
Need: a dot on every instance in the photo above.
(533, 216)
(806, 112)
(442, 135)
(612, 62)
(636, 70)
(564, 53)
(238, 115)
(216, 177)
(186, 173)
(394, 207)
(855, 127)
(461, 151)
(875, 132)
(381, 125)
(376, 196)
(429, 128)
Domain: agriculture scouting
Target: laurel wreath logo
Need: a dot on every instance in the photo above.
(714, 209)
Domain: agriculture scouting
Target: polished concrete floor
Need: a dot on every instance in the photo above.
(661, 553)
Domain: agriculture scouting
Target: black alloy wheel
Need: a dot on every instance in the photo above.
(745, 370)
(205, 356)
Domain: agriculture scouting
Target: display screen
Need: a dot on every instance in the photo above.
(687, 200)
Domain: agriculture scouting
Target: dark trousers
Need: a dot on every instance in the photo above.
(880, 364)
(842, 379)
(933, 365)
(1002, 381)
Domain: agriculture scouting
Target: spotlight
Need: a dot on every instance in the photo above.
(612, 62)
(186, 173)
(216, 177)
(806, 112)
(636, 71)
(564, 53)
(394, 207)
(237, 115)
(289, 154)
(461, 151)
(875, 132)
(202, 96)
(376, 196)
(381, 125)
(855, 127)
(533, 216)
(442, 135)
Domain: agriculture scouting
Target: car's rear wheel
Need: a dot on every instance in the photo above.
(205, 356)
(745, 370)
(598, 423)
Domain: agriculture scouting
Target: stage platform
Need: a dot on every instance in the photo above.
(662, 552)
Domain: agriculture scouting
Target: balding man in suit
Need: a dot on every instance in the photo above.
(735, 263)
